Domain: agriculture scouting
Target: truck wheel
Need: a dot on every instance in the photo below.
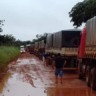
(93, 81)
(81, 75)
(88, 82)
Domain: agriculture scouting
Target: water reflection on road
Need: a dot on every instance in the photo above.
(14, 87)
(29, 77)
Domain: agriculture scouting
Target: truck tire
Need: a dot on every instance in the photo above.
(93, 76)
(82, 73)
(88, 78)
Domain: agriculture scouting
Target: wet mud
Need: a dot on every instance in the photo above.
(28, 76)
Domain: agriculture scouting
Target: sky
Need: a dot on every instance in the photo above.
(24, 19)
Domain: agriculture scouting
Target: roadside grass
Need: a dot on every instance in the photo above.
(7, 54)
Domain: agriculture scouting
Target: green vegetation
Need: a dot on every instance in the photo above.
(7, 54)
(40, 37)
(82, 11)
(1, 24)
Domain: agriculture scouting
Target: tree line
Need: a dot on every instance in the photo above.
(9, 40)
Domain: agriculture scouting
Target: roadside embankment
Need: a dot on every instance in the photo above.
(7, 54)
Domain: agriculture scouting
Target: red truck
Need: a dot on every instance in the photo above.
(87, 53)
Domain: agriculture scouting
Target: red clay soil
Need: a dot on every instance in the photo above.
(30, 77)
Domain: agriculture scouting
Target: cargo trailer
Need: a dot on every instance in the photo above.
(66, 43)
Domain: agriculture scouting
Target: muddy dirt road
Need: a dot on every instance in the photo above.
(29, 77)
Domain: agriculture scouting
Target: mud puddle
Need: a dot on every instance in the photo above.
(29, 77)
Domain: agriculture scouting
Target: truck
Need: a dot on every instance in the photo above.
(66, 43)
(30, 48)
(39, 48)
(87, 53)
(22, 49)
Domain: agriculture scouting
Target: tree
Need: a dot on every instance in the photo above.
(1, 24)
(82, 11)
(40, 37)
(7, 40)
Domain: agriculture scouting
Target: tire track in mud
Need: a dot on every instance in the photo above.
(27, 72)
(23, 72)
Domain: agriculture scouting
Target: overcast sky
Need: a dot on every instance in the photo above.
(26, 18)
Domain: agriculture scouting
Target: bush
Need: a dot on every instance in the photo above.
(7, 54)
